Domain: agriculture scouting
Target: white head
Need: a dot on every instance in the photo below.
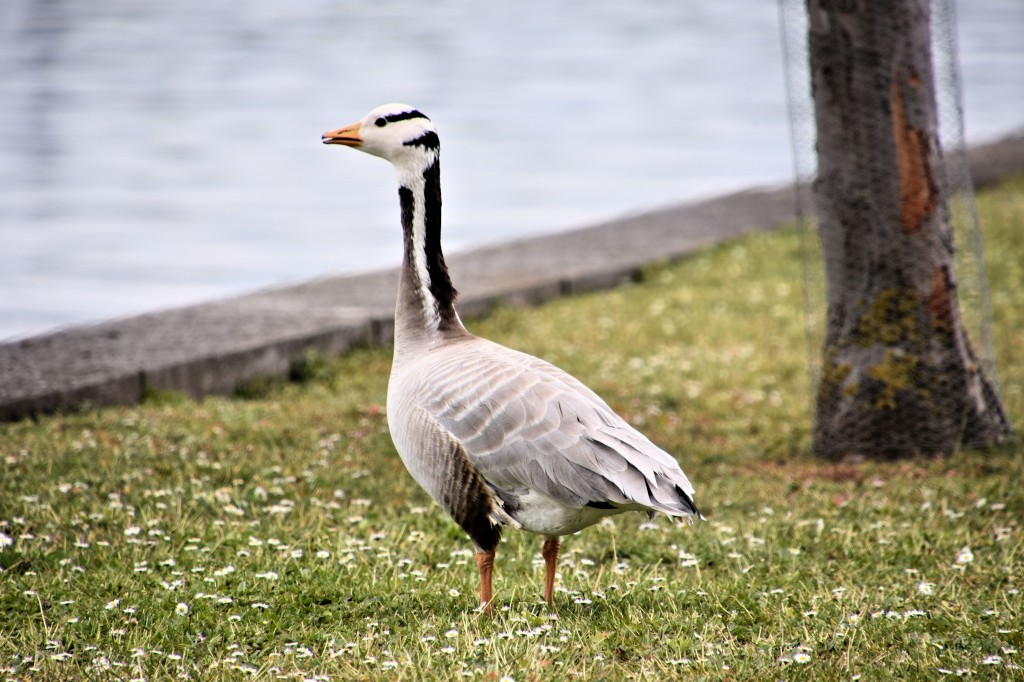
(396, 132)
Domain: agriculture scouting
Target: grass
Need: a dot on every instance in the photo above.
(278, 537)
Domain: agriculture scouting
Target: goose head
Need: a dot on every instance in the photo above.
(396, 132)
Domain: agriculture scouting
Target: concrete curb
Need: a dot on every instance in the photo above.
(214, 347)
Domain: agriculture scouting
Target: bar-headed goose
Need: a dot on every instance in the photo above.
(497, 437)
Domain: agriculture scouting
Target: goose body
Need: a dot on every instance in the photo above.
(497, 437)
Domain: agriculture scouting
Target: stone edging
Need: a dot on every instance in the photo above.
(213, 347)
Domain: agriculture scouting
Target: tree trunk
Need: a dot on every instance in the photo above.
(899, 377)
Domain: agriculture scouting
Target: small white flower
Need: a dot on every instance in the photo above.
(992, 660)
(5, 540)
(181, 609)
(132, 530)
(687, 560)
(453, 592)
(323, 554)
(233, 510)
(451, 633)
(965, 556)
(801, 657)
(926, 588)
(111, 605)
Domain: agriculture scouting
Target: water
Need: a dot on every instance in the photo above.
(158, 154)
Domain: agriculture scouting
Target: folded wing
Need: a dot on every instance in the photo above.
(527, 425)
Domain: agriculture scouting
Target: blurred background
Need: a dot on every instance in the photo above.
(159, 154)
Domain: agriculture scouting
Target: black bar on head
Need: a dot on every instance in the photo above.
(428, 139)
(404, 116)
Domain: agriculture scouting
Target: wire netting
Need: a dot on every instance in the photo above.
(953, 176)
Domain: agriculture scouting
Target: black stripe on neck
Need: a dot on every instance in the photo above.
(404, 116)
(428, 139)
(440, 284)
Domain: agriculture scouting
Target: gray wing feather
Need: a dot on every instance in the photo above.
(526, 424)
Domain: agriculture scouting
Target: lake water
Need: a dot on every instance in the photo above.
(158, 154)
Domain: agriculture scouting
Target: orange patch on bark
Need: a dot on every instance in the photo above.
(918, 194)
(940, 300)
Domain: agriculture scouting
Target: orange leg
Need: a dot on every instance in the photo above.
(485, 562)
(550, 553)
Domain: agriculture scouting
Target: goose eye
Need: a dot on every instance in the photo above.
(380, 122)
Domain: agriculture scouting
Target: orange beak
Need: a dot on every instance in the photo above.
(348, 136)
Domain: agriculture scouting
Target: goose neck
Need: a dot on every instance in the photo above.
(426, 297)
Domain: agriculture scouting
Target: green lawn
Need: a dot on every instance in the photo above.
(278, 537)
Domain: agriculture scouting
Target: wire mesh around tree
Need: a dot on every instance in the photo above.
(886, 313)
